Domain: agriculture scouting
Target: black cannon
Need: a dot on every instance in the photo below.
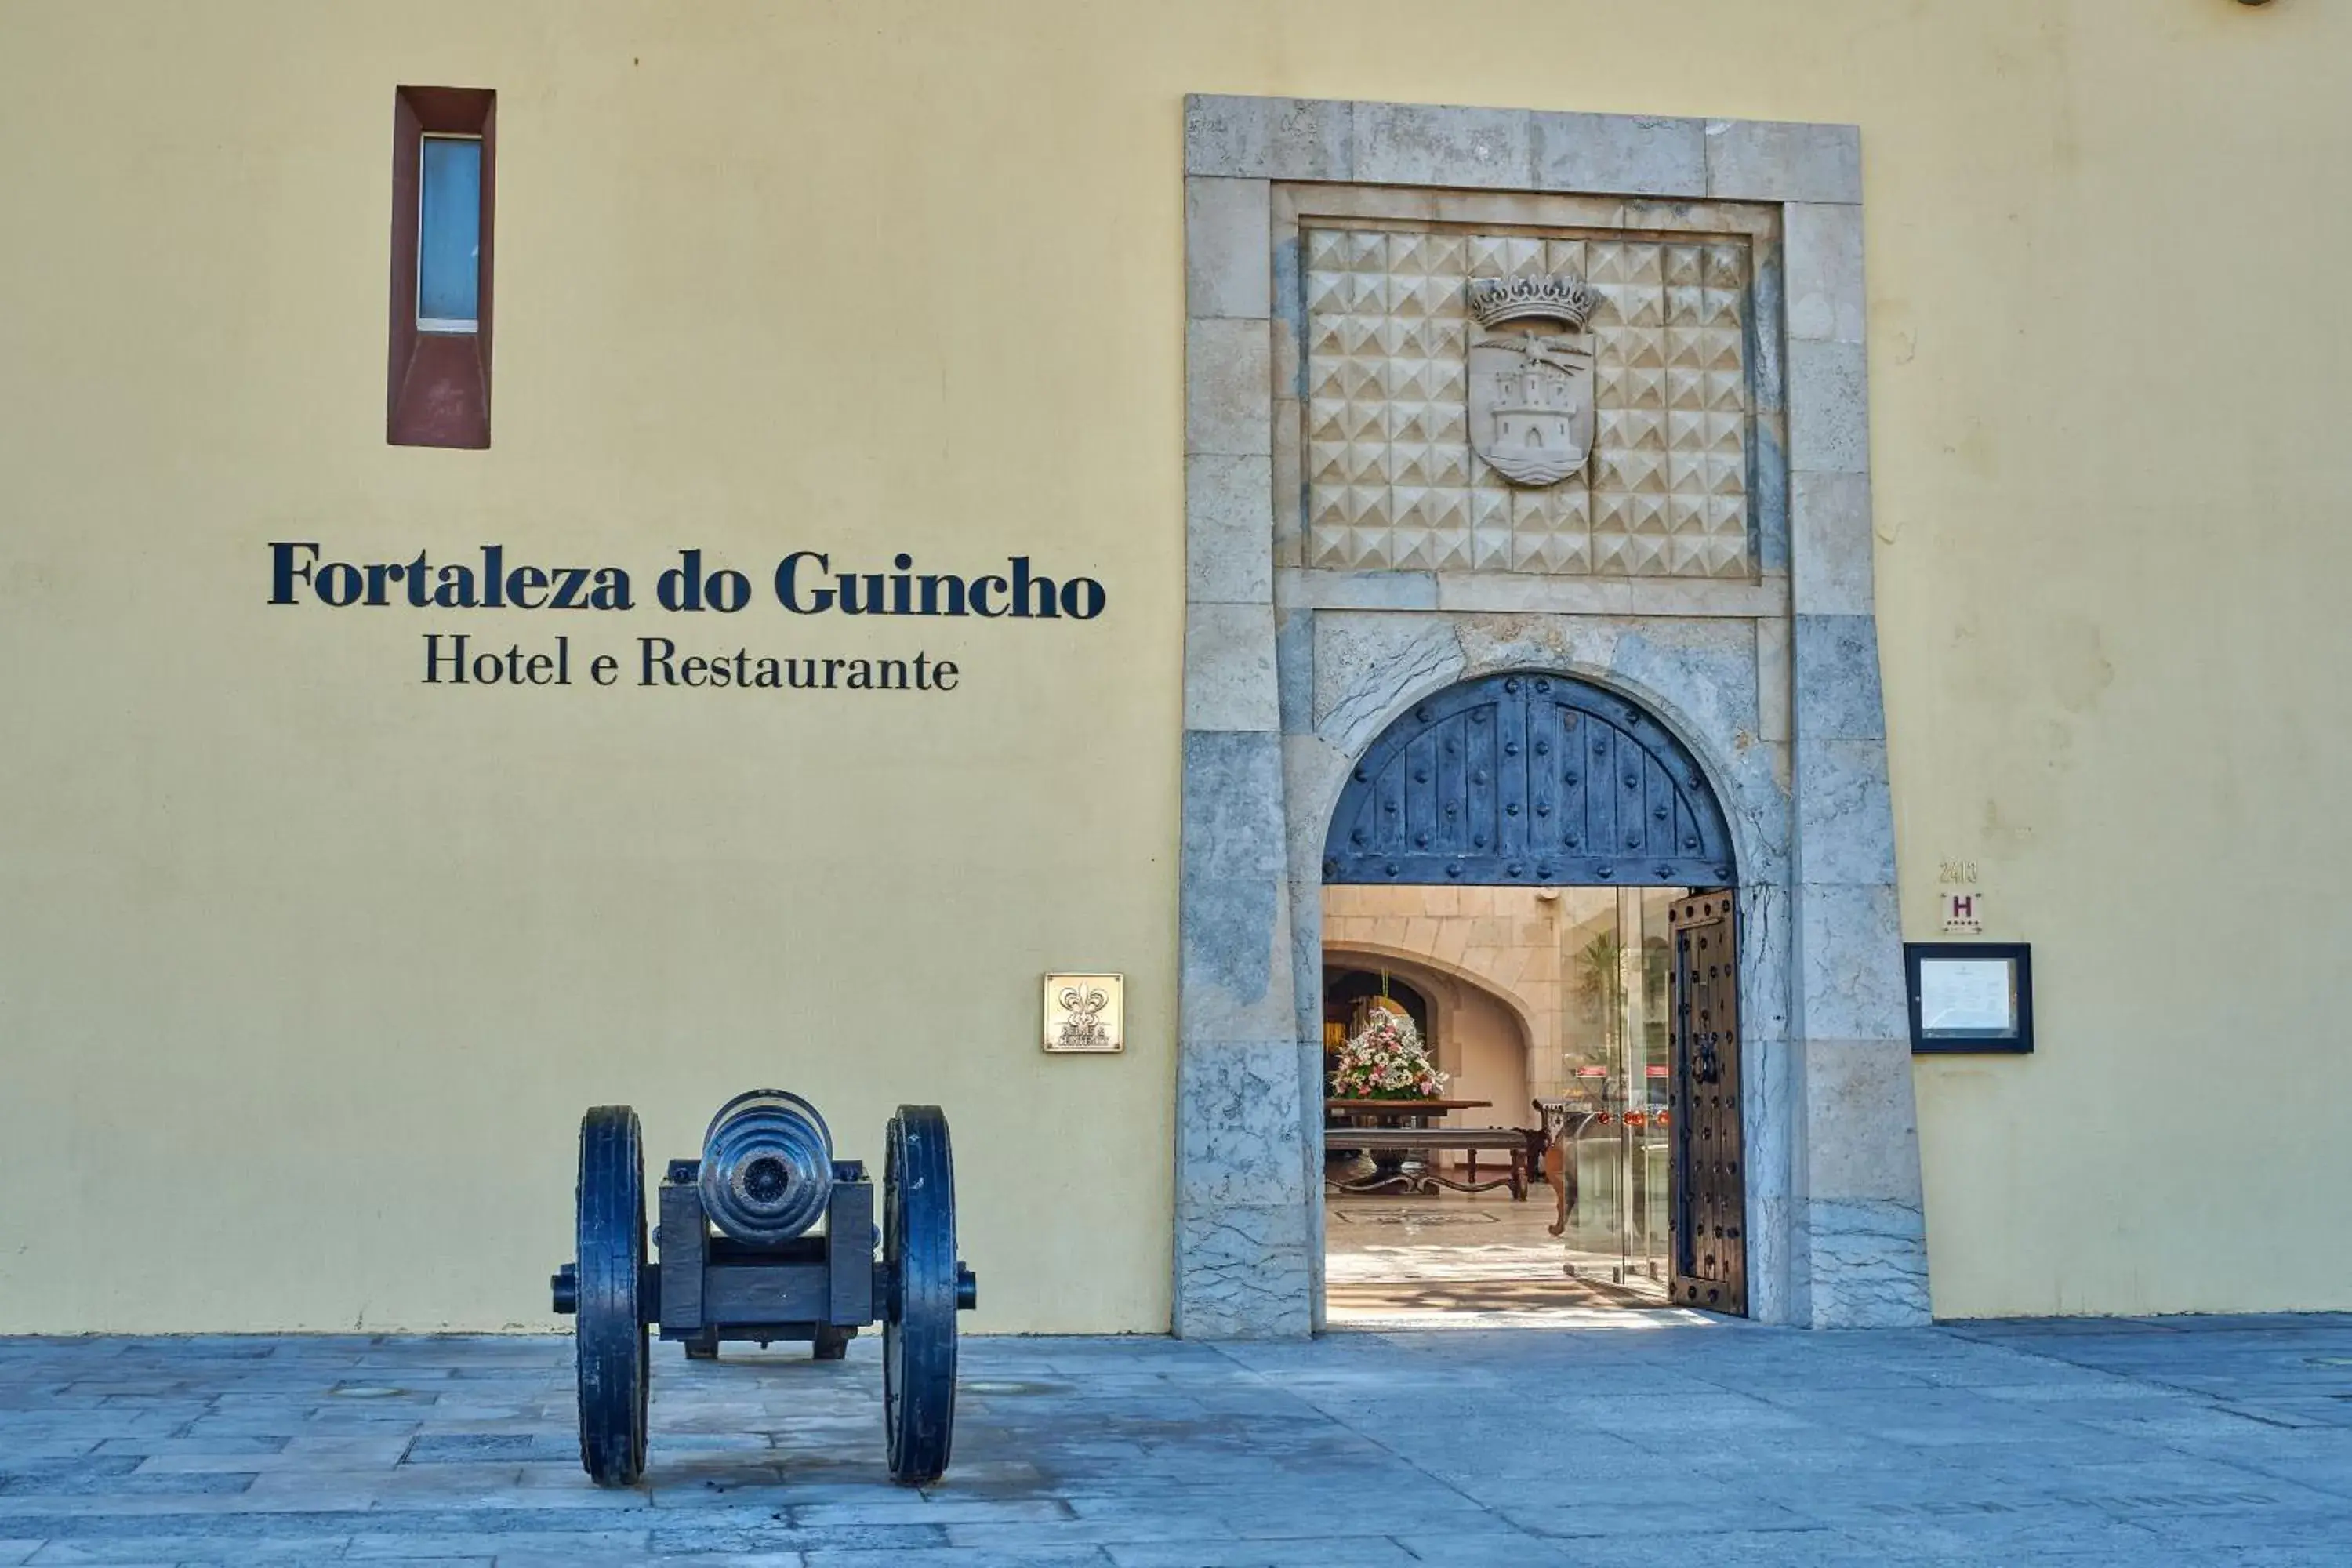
(766, 1178)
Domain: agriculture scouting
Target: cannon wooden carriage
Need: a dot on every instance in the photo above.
(740, 1258)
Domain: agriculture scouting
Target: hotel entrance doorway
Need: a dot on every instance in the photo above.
(1532, 1066)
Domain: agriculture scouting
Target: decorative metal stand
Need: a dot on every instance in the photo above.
(1399, 1154)
(766, 1178)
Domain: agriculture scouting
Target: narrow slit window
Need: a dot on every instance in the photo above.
(449, 235)
(445, 176)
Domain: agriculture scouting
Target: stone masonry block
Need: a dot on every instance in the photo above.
(1773, 695)
(1244, 1271)
(1427, 144)
(1619, 154)
(1307, 973)
(1832, 544)
(1289, 499)
(1772, 1233)
(1312, 588)
(1313, 774)
(1238, 1109)
(1229, 676)
(1863, 1127)
(1230, 901)
(1228, 389)
(1850, 963)
(1770, 505)
(1286, 359)
(1770, 377)
(1834, 659)
(1228, 529)
(1829, 408)
(1228, 247)
(1764, 959)
(1293, 663)
(1268, 138)
(1845, 820)
(1823, 244)
(1867, 1263)
(1776, 161)
(1228, 987)
(1367, 666)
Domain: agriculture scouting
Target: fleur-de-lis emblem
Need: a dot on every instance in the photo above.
(1082, 1029)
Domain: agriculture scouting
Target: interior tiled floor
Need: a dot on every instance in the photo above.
(1478, 1260)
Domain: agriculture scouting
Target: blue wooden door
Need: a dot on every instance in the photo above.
(1532, 779)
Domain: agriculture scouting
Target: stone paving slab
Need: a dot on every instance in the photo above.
(2144, 1442)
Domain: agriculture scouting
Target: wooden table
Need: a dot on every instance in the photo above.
(1394, 1165)
(1419, 1108)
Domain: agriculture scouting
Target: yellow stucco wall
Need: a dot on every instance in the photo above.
(307, 971)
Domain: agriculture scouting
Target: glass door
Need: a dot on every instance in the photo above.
(1609, 1084)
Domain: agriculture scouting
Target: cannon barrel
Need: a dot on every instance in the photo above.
(767, 1167)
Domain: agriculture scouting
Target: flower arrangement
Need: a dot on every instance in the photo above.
(1386, 1060)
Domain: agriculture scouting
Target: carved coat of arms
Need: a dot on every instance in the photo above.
(1530, 381)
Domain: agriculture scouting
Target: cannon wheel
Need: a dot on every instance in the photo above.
(918, 1319)
(610, 1337)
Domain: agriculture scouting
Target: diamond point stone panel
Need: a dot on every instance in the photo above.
(1392, 480)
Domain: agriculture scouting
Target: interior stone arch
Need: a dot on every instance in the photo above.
(1411, 965)
(1457, 994)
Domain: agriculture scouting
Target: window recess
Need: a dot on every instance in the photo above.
(444, 160)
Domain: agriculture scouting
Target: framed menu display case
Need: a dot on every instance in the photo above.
(1970, 996)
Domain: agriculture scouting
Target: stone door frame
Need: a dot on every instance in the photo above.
(1290, 673)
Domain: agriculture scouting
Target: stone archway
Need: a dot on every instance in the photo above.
(1506, 783)
(1695, 691)
(1740, 619)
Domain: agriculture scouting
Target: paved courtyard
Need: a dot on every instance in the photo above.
(1629, 1438)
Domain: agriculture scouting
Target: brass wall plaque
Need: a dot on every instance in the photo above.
(1085, 1012)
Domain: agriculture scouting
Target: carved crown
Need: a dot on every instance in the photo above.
(1494, 301)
